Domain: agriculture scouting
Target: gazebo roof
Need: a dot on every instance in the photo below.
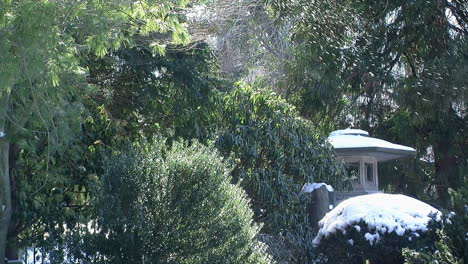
(353, 142)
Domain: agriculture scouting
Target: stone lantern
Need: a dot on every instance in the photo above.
(361, 154)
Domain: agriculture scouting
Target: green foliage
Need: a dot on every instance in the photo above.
(451, 245)
(41, 77)
(354, 48)
(275, 152)
(351, 246)
(38, 87)
(129, 103)
(145, 94)
(442, 255)
(42, 85)
(177, 205)
(370, 63)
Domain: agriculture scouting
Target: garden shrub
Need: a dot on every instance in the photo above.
(376, 228)
(451, 246)
(352, 247)
(438, 252)
(177, 205)
(274, 152)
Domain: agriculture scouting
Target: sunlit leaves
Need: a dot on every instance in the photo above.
(43, 82)
(158, 48)
(42, 41)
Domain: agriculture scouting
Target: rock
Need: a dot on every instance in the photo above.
(320, 202)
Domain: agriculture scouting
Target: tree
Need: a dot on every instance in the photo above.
(173, 94)
(248, 41)
(274, 153)
(367, 64)
(41, 81)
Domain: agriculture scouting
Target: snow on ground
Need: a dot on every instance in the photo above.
(310, 187)
(384, 213)
(357, 138)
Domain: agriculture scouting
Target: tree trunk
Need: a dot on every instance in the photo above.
(5, 197)
(449, 156)
(445, 170)
(12, 249)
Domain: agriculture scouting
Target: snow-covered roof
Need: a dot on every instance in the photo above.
(383, 213)
(349, 142)
(349, 131)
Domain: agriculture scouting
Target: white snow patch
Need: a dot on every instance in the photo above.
(349, 131)
(2, 134)
(372, 238)
(383, 213)
(357, 138)
(449, 217)
(351, 242)
(310, 187)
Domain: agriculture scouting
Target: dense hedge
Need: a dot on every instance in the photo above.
(177, 205)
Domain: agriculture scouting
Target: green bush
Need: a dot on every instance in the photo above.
(440, 252)
(274, 152)
(352, 247)
(177, 205)
(451, 246)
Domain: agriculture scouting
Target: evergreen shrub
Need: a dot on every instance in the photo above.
(170, 205)
(351, 246)
(451, 246)
(441, 251)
